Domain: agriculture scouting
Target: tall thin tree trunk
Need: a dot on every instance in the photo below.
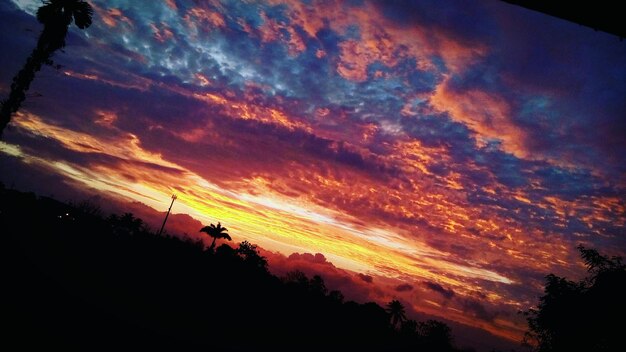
(213, 244)
(50, 39)
(20, 85)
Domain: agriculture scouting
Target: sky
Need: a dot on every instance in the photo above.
(449, 154)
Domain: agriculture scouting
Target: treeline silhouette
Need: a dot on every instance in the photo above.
(75, 279)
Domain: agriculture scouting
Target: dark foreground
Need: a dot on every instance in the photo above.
(75, 280)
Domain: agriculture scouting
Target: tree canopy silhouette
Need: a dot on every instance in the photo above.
(56, 16)
(250, 255)
(435, 335)
(217, 232)
(396, 312)
(582, 316)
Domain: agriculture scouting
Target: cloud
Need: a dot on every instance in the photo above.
(354, 287)
(403, 288)
(367, 278)
(486, 113)
(446, 293)
(478, 310)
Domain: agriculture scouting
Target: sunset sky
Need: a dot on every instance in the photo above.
(448, 154)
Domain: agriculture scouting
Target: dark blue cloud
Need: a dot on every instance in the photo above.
(462, 20)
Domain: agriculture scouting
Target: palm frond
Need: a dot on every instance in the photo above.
(216, 231)
(83, 13)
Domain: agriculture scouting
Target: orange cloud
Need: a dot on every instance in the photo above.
(204, 18)
(272, 30)
(488, 114)
(112, 16)
(380, 40)
(162, 32)
(171, 4)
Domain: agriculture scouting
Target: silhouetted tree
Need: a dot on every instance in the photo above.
(336, 296)
(396, 312)
(584, 315)
(56, 16)
(250, 255)
(89, 207)
(126, 224)
(408, 327)
(318, 286)
(297, 277)
(216, 232)
(435, 335)
(598, 264)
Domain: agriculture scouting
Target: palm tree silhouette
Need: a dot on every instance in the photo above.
(397, 313)
(56, 16)
(216, 232)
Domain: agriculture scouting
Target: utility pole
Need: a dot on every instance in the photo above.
(168, 214)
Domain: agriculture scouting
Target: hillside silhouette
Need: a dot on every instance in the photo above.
(76, 279)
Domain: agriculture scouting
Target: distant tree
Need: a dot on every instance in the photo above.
(89, 207)
(408, 327)
(336, 296)
(226, 252)
(396, 312)
(56, 16)
(581, 316)
(435, 335)
(217, 232)
(318, 286)
(129, 221)
(127, 224)
(250, 255)
(315, 285)
(297, 277)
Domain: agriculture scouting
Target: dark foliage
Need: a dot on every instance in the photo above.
(216, 232)
(397, 313)
(75, 280)
(582, 316)
(56, 16)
